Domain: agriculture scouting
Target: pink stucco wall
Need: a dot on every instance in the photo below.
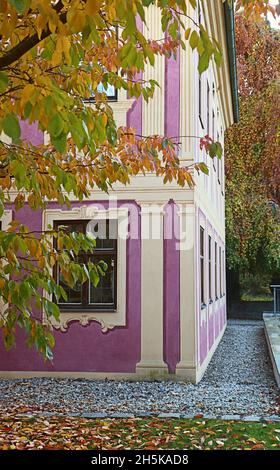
(171, 288)
(212, 320)
(87, 348)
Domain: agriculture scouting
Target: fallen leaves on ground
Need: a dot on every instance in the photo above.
(72, 433)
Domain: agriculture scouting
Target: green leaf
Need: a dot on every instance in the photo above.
(19, 5)
(9, 340)
(94, 277)
(60, 142)
(194, 39)
(3, 82)
(204, 168)
(213, 150)
(203, 62)
(187, 33)
(111, 134)
(19, 173)
(11, 126)
(2, 208)
(219, 150)
(146, 3)
(56, 125)
(27, 109)
(193, 3)
(48, 353)
(218, 57)
(48, 105)
(24, 291)
(51, 309)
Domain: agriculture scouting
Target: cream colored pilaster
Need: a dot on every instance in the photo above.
(187, 365)
(153, 111)
(151, 364)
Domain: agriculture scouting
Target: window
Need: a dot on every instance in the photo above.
(202, 287)
(218, 162)
(221, 271)
(210, 268)
(224, 273)
(213, 133)
(222, 167)
(86, 296)
(199, 12)
(200, 100)
(208, 108)
(110, 91)
(216, 271)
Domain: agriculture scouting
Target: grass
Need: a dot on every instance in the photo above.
(256, 298)
(135, 433)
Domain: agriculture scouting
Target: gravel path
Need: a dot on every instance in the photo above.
(238, 381)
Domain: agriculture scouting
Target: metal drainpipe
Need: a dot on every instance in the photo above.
(230, 32)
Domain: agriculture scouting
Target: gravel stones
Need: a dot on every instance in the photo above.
(238, 381)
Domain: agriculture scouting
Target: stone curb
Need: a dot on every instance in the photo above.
(248, 419)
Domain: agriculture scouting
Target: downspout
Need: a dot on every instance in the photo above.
(230, 33)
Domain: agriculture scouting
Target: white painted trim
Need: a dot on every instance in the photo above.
(6, 218)
(132, 376)
(108, 320)
(151, 363)
(186, 368)
(153, 110)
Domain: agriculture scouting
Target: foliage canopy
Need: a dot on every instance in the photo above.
(54, 55)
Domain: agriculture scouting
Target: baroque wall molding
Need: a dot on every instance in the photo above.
(107, 320)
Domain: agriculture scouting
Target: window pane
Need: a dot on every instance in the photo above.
(105, 233)
(104, 293)
(86, 295)
(216, 274)
(202, 299)
(201, 241)
(110, 90)
(70, 227)
(74, 295)
(202, 280)
(210, 266)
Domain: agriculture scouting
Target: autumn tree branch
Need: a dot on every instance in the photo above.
(30, 41)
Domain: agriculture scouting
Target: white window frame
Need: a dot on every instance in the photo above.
(6, 218)
(107, 320)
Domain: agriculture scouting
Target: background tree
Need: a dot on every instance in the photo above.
(54, 55)
(253, 157)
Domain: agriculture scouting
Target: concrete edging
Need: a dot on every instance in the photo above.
(272, 334)
(252, 418)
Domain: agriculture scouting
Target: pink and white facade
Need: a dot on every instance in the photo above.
(169, 286)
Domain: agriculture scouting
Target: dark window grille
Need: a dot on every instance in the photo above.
(210, 267)
(202, 286)
(86, 296)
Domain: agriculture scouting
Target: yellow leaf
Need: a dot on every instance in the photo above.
(92, 7)
(40, 24)
(76, 20)
(56, 58)
(26, 93)
(104, 119)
